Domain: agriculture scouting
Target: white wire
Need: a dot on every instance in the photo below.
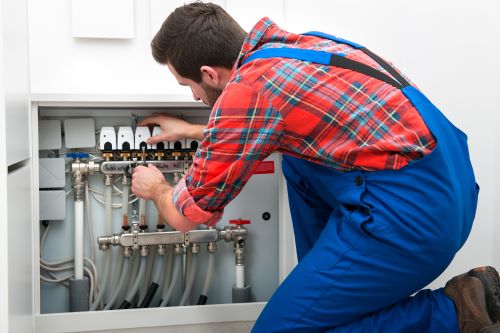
(90, 223)
(46, 265)
(115, 205)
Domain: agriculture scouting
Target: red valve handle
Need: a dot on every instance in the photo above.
(239, 222)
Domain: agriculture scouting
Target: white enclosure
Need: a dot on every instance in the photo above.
(49, 72)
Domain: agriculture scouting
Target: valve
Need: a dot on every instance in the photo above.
(239, 222)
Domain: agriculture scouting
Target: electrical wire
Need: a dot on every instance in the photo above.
(60, 265)
(115, 205)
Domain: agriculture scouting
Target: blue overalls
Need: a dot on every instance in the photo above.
(366, 241)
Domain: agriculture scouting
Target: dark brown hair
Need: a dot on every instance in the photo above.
(198, 34)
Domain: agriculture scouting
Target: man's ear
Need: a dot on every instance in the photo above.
(210, 76)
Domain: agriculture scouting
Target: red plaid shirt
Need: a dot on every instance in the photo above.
(324, 114)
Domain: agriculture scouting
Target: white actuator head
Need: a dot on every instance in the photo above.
(142, 134)
(192, 144)
(157, 131)
(107, 138)
(125, 138)
(177, 144)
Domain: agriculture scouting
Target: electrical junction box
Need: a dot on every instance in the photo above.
(52, 205)
(79, 133)
(269, 248)
(52, 173)
(49, 135)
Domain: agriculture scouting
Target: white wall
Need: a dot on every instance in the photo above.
(448, 48)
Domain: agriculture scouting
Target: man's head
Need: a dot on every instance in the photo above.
(199, 42)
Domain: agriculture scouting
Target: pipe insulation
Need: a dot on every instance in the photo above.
(79, 291)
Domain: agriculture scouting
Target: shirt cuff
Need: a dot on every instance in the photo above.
(185, 204)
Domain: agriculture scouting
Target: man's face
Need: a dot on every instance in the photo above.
(201, 91)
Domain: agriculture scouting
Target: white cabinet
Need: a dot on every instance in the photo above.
(16, 79)
(20, 250)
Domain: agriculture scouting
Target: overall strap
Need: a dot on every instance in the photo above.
(369, 53)
(327, 58)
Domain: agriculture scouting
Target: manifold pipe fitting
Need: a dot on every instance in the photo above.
(144, 251)
(195, 248)
(161, 250)
(212, 247)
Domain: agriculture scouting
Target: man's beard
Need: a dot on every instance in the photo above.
(213, 94)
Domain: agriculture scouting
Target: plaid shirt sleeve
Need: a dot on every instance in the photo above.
(243, 129)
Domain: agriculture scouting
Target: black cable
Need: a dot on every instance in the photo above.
(149, 295)
(202, 300)
(124, 305)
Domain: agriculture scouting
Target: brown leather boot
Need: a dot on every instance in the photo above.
(472, 298)
(491, 281)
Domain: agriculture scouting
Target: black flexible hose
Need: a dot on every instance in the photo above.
(153, 287)
(202, 300)
(124, 305)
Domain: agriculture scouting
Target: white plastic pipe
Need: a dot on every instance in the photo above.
(78, 240)
(107, 265)
(109, 209)
(167, 292)
(142, 208)
(117, 255)
(166, 275)
(240, 276)
(121, 282)
(190, 281)
(210, 271)
(125, 190)
(132, 292)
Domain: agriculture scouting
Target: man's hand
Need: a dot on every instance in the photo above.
(172, 128)
(148, 182)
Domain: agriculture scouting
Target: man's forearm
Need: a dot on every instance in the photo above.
(196, 132)
(168, 211)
